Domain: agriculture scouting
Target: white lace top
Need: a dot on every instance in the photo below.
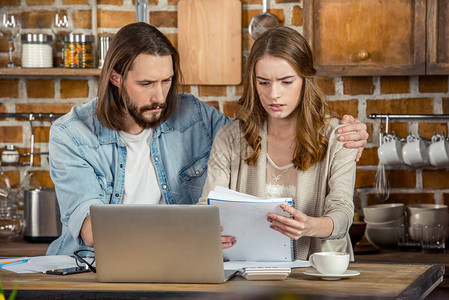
(281, 181)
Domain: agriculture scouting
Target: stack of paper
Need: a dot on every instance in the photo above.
(38, 264)
(245, 217)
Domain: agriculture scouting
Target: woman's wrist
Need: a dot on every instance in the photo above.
(322, 227)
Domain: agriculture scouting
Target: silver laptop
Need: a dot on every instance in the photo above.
(158, 243)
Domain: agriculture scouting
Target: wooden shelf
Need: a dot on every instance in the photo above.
(49, 72)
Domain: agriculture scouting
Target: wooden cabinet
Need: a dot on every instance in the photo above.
(437, 37)
(368, 37)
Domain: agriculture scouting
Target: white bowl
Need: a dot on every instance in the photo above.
(383, 237)
(383, 212)
(417, 208)
(430, 217)
(394, 223)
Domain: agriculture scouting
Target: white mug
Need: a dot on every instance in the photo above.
(390, 152)
(415, 152)
(330, 263)
(439, 151)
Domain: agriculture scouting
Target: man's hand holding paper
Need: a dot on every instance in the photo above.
(227, 241)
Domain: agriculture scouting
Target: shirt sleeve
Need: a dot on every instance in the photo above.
(76, 183)
(219, 165)
(339, 203)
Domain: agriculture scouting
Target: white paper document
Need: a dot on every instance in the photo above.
(40, 264)
(245, 217)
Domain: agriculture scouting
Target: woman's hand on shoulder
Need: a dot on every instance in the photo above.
(354, 134)
(299, 224)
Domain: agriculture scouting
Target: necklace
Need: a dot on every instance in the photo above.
(277, 177)
(283, 170)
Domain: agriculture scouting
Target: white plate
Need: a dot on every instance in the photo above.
(347, 273)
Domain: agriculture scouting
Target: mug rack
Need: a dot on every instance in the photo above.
(387, 117)
(30, 117)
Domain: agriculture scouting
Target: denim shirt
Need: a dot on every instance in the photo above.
(87, 162)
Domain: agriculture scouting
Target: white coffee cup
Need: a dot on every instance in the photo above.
(415, 152)
(390, 152)
(330, 263)
(439, 151)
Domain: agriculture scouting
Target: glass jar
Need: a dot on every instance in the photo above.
(79, 51)
(11, 224)
(103, 46)
(37, 50)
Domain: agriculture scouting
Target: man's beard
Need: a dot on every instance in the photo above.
(138, 113)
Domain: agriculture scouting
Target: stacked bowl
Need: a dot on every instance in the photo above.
(427, 216)
(382, 224)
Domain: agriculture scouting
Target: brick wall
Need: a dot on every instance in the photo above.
(358, 96)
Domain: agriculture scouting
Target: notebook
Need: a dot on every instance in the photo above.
(158, 243)
(245, 217)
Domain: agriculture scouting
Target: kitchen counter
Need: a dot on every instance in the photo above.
(376, 281)
(394, 255)
(386, 257)
(22, 248)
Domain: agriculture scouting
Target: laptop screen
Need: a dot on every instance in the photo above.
(157, 243)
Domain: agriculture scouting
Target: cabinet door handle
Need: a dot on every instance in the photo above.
(363, 55)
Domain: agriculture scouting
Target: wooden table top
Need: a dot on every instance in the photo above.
(22, 248)
(407, 281)
(369, 281)
(395, 255)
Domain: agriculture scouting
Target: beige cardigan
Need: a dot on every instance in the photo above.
(325, 189)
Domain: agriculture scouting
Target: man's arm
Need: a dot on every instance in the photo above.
(76, 183)
(86, 232)
(354, 134)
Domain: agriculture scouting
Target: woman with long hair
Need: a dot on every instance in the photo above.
(284, 143)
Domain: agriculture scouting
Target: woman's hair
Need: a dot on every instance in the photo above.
(128, 43)
(311, 144)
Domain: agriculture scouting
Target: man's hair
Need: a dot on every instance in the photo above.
(310, 144)
(128, 43)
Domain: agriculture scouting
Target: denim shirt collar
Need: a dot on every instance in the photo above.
(163, 128)
(107, 136)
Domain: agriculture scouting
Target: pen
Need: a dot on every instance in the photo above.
(13, 262)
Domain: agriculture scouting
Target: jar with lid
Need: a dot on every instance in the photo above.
(10, 154)
(79, 51)
(37, 50)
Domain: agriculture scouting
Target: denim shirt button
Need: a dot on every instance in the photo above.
(164, 186)
(116, 195)
(121, 165)
(156, 158)
(197, 172)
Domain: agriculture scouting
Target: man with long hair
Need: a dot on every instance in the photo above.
(139, 141)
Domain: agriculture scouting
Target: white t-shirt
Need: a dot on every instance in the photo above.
(141, 184)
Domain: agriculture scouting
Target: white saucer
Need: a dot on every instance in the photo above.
(347, 273)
